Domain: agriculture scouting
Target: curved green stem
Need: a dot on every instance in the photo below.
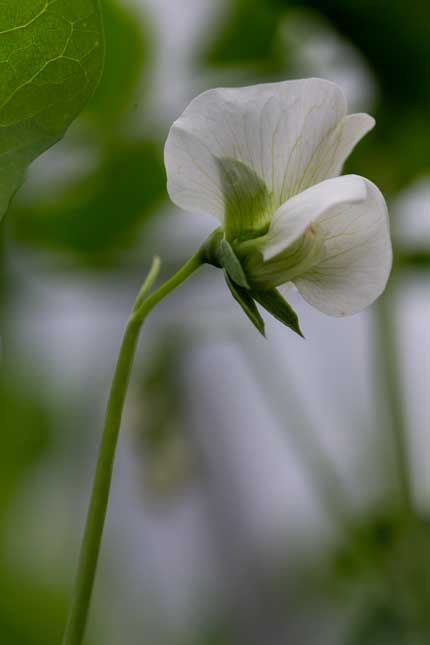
(90, 547)
(149, 282)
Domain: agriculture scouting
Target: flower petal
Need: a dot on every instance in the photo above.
(358, 256)
(336, 148)
(289, 135)
(193, 180)
(293, 218)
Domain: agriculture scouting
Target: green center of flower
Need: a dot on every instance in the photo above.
(248, 203)
(295, 260)
(249, 208)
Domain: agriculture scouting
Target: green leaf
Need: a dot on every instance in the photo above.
(275, 304)
(243, 297)
(231, 264)
(51, 58)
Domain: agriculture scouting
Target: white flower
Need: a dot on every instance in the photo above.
(265, 161)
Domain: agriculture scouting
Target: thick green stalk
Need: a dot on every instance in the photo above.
(90, 547)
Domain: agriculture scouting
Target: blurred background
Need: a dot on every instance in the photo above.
(265, 492)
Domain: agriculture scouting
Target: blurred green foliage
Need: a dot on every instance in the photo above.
(126, 66)
(386, 567)
(27, 429)
(26, 434)
(247, 37)
(89, 218)
(393, 36)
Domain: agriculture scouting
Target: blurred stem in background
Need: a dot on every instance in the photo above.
(281, 392)
(91, 542)
(389, 369)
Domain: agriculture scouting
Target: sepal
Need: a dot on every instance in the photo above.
(276, 305)
(245, 300)
(218, 252)
(230, 262)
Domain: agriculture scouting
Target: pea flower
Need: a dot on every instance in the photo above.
(265, 160)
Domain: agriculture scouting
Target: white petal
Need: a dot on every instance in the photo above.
(291, 134)
(293, 218)
(193, 180)
(358, 256)
(331, 156)
(286, 288)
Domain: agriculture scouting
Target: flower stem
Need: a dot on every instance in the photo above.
(91, 541)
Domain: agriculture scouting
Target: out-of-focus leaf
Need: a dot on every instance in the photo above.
(25, 432)
(415, 260)
(380, 30)
(392, 36)
(381, 626)
(386, 554)
(51, 58)
(246, 37)
(31, 612)
(126, 54)
(99, 216)
(396, 152)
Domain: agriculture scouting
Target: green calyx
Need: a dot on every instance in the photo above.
(295, 260)
(248, 202)
(239, 248)
(236, 248)
(218, 252)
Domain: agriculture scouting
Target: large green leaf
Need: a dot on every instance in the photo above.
(51, 58)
